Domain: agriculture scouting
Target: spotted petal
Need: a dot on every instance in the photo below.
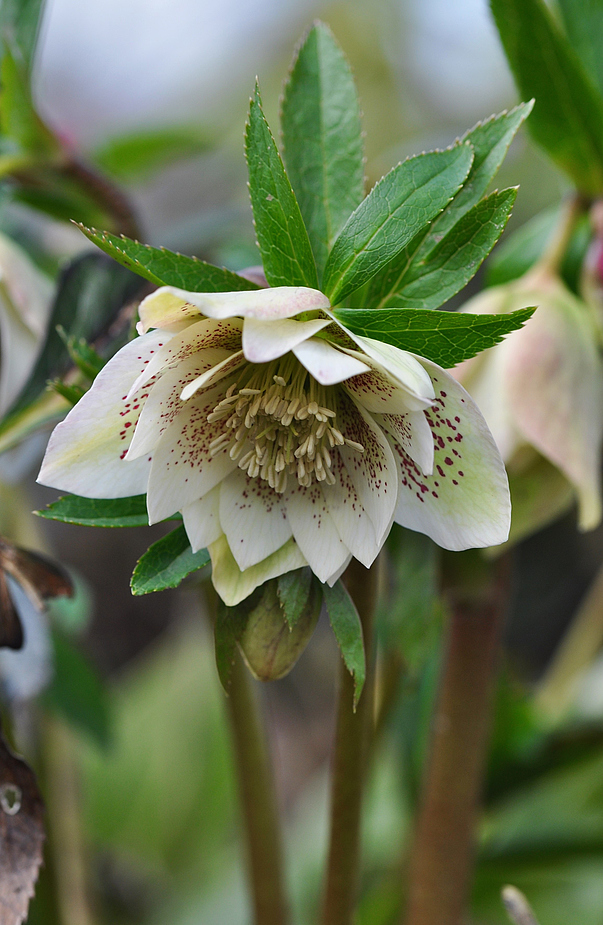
(351, 520)
(314, 530)
(202, 520)
(234, 585)
(401, 365)
(86, 452)
(253, 517)
(465, 502)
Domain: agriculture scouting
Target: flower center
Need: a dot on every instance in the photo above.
(278, 423)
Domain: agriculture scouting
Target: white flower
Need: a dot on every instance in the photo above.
(281, 438)
(541, 392)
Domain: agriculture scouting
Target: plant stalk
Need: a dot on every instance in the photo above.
(442, 859)
(352, 739)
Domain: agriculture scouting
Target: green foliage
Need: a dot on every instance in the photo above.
(229, 627)
(281, 233)
(445, 338)
(432, 280)
(398, 207)
(135, 156)
(18, 118)
(166, 563)
(583, 21)
(20, 24)
(164, 268)
(98, 512)
(568, 116)
(322, 137)
(346, 625)
(293, 589)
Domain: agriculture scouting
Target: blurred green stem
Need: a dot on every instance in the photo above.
(258, 799)
(442, 856)
(107, 194)
(556, 248)
(352, 739)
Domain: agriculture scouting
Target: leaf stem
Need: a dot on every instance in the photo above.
(442, 857)
(352, 738)
(556, 248)
(258, 799)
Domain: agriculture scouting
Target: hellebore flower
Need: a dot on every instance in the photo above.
(283, 439)
(541, 392)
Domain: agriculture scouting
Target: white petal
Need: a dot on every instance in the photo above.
(314, 530)
(253, 517)
(351, 520)
(183, 468)
(20, 348)
(372, 472)
(339, 572)
(196, 337)
(381, 393)
(202, 520)
(86, 452)
(233, 585)
(400, 364)
(465, 503)
(413, 433)
(267, 340)
(167, 309)
(164, 403)
(327, 364)
(213, 375)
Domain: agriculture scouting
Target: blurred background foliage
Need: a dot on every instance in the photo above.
(128, 737)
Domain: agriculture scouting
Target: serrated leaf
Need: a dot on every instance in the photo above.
(398, 207)
(430, 282)
(98, 512)
(165, 268)
(166, 563)
(583, 21)
(445, 338)
(280, 230)
(568, 117)
(348, 632)
(293, 589)
(322, 136)
(139, 154)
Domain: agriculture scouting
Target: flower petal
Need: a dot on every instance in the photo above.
(465, 503)
(373, 472)
(267, 340)
(314, 530)
(253, 517)
(213, 375)
(381, 393)
(413, 433)
(400, 364)
(233, 585)
(202, 520)
(327, 364)
(166, 309)
(86, 452)
(339, 572)
(183, 468)
(351, 520)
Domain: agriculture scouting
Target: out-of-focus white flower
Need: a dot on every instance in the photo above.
(283, 439)
(541, 392)
(25, 305)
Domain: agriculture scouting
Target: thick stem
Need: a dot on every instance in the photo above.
(553, 256)
(442, 859)
(352, 739)
(258, 799)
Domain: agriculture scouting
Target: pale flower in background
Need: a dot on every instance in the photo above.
(282, 439)
(541, 392)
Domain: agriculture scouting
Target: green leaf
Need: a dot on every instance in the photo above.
(98, 512)
(165, 268)
(18, 117)
(430, 282)
(583, 21)
(322, 137)
(281, 233)
(20, 22)
(139, 154)
(398, 207)
(293, 589)
(166, 563)
(348, 632)
(568, 117)
(445, 338)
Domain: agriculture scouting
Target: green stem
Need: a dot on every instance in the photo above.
(260, 812)
(352, 738)
(442, 858)
(556, 248)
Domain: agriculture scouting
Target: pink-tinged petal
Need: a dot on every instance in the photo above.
(314, 530)
(202, 520)
(196, 337)
(86, 452)
(379, 393)
(211, 376)
(554, 379)
(166, 309)
(183, 468)
(327, 364)
(401, 365)
(233, 585)
(267, 340)
(373, 472)
(164, 403)
(413, 433)
(465, 502)
(253, 517)
(351, 520)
